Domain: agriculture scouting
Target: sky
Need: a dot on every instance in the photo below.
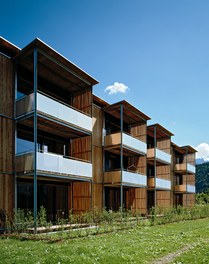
(152, 53)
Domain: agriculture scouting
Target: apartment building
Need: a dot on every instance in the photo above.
(66, 149)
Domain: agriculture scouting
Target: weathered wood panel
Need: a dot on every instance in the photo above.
(97, 163)
(139, 164)
(188, 200)
(163, 199)
(6, 135)
(189, 179)
(97, 116)
(164, 172)
(6, 86)
(81, 148)
(112, 177)
(113, 139)
(190, 158)
(83, 101)
(81, 196)
(138, 200)
(164, 145)
(139, 131)
(97, 196)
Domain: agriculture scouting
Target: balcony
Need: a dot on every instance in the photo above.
(54, 109)
(184, 188)
(185, 167)
(128, 178)
(53, 164)
(161, 156)
(160, 183)
(127, 141)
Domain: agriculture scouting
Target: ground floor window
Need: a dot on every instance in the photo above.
(54, 198)
(112, 198)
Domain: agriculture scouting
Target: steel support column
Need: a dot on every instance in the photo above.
(35, 140)
(15, 139)
(155, 168)
(121, 158)
(186, 172)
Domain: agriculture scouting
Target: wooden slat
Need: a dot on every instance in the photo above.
(163, 199)
(81, 197)
(97, 126)
(6, 135)
(83, 101)
(81, 148)
(164, 172)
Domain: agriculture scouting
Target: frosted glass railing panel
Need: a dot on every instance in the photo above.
(63, 112)
(191, 188)
(24, 105)
(163, 184)
(161, 155)
(134, 143)
(191, 168)
(134, 178)
(58, 164)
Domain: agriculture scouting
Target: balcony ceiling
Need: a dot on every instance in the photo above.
(130, 113)
(54, 68)
(161, 132)
(8, 48)
(126, 152)
(53, 127)
(184, 149)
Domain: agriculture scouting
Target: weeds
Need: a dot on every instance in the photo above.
(97, 222)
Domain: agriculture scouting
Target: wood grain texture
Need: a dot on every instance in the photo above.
(6, 135)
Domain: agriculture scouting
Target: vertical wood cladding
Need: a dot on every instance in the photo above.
(189, 158)
(188, 199)
(164, 145)
(163, 172)
(6, 86)
(189, 179)
(163, 199)
(81, 148)
(97, 196)
(139, 131)
(137, 200)
(6, 135)
(97, 157)
(83, 101)
(81, 196)
(139, 164)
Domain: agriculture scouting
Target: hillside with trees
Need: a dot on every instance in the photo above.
(202, 177)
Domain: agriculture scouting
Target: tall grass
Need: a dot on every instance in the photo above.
(102, 221)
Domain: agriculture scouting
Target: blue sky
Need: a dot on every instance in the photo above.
(159, 49)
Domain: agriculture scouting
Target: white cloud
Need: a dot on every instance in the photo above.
(116, 88)
(203, 151)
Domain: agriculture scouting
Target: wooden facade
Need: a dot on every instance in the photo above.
(120, 144)
(97, 157)
(6, 134)
(183, 175)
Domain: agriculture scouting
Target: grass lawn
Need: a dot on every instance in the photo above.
(139, 245)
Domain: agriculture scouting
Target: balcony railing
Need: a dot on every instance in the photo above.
(128, 178)
(54, 164)
(184, 188)
(185, 167)
(160, 183)
(127, 141)
(55, 109)
(160, 155)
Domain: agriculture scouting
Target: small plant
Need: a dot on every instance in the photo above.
(42, 217)
(19, 220)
